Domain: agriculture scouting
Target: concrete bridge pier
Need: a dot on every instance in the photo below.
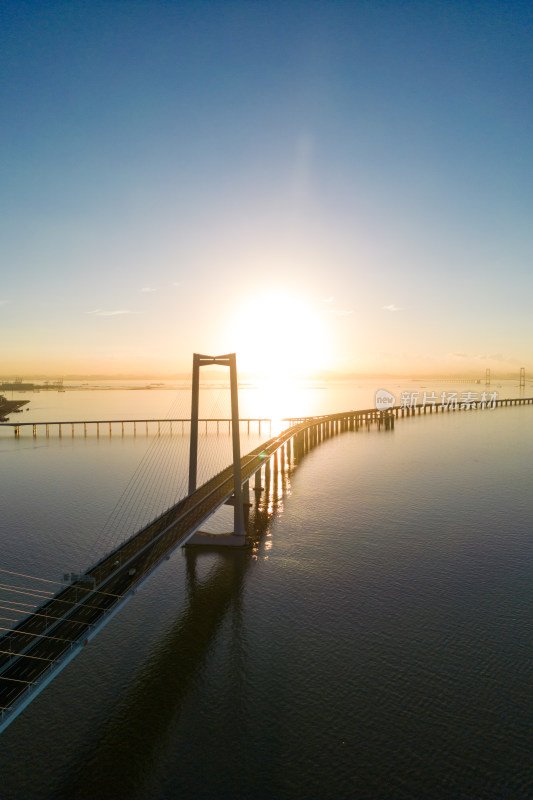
(275, 474)
(268, 473)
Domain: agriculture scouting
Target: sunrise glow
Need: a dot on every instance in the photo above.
(294, 340)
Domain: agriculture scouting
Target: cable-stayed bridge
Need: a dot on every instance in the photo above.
(36, 649)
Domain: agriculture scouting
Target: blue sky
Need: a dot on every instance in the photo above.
(339, 186)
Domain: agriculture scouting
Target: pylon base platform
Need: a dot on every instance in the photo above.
(203, 539)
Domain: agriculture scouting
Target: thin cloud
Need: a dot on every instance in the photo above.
(341, 312)
(328, 299)
(176, 283)
(100, 312)
(391, 307)
(498, 357)
(4, 302)
(148, 289)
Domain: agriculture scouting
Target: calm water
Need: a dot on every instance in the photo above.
(375, 643)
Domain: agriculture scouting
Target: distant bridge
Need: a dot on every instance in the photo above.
(132, 424)
(36, 649)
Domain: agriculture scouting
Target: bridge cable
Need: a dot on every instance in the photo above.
(46, 616)
(39, 635)
(119, 520)
(23, 655)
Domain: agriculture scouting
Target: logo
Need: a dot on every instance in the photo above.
(384, 399)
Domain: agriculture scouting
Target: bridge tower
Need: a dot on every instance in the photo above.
(522, 377)
(229, 360)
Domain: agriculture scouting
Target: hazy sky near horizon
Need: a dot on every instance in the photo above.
(344, 186)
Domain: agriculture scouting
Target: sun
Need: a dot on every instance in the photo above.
(280, 335)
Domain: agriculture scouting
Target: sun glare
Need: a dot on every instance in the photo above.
(280, 336)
